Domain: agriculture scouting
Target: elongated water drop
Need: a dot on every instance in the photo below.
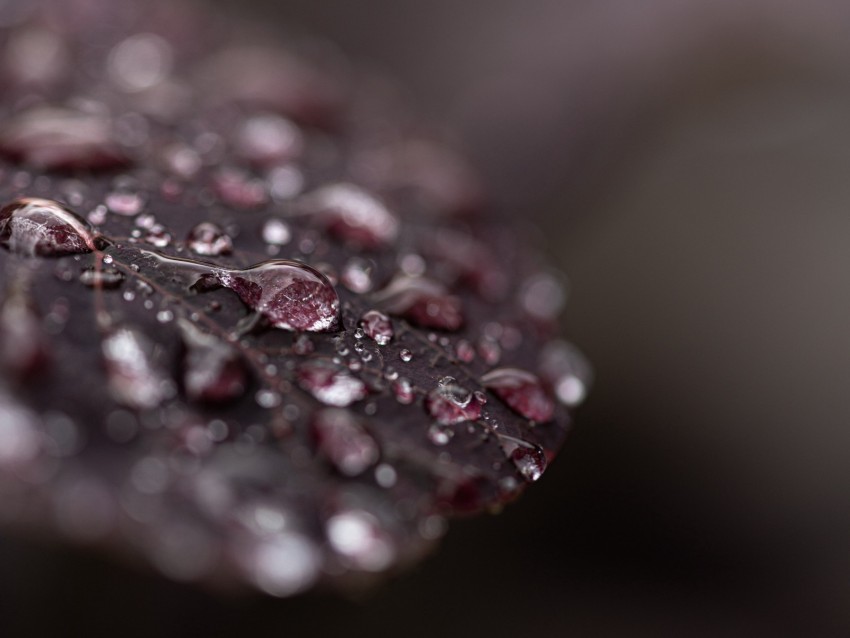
(343, 441)
(291, 295)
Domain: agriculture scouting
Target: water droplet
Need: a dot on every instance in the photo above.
(107, 278)
(268, 139)
(386, 476)
(41, 227)
(440, 434)
(567, 371)
(451, 403)
(268, 399)
(359, 538)
(209, 239)
(522, 391)
(59, 138)
(291, 295)
(543, 296)
(403, 391)
(134, 380)
(125, 202)
(140, 62)
(212, 370)
(23, 348)
(158, 236)
(357, 275)
(422, 301)
(490, 351)
(330, 383)
(405, 355)
(464, 351)
(529, 459)
(343, 441)
(239, 189)
(303, 345)
(276, 232)
(377, 326)
(282, 564)
(353, 215)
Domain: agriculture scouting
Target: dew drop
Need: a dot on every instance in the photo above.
(158, 236)
(41, 227)
(353, 215)
(125, 202)
(377, 326)
(212, 370)
(239, 189)
(209, 240)
(522, 391)
(529, 459)
(133, 378)
(423, 301)
(344, 442)
(464, 351)
(405, 355)
(357, 275)
(330, 383)
(276, 232)
(291, 295)
(106, 278)
(360, 540)
(567, 371)
(268, 139)
(440, 434)
(59, 138)
(451, 403)
(402, 389)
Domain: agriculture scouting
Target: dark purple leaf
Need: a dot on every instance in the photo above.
(244, 334)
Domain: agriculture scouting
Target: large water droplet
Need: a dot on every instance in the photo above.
(377, 326)
(451, 403)
(329, 383)
(59, 138)
(529, 459)
(291, 295)
(422, 301)
(353, 215)
(343, 441)
(41, 227)
(209, 239)
(522, 391)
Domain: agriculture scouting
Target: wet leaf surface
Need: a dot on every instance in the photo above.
(248, 332)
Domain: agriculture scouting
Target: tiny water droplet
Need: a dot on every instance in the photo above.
(522, 391)
(158, 236)
(125, 202)
(41, 227)
(405, 355)
(377, 326)
(268, 139)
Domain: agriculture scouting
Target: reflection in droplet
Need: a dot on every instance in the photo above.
(291, 295)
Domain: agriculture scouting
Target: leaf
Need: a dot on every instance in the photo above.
(248, 332)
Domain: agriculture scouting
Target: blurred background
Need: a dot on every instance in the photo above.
(687, 164)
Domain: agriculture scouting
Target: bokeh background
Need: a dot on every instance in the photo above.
(688, 164)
